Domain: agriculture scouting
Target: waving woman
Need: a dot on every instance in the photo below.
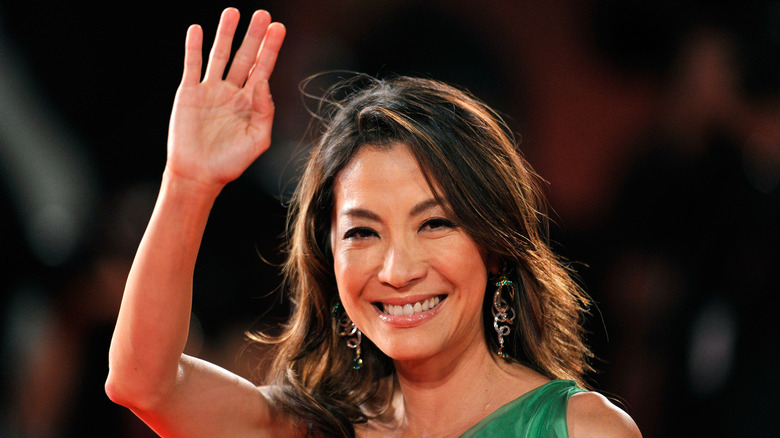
(426, 300)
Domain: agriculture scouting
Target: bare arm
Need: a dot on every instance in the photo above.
(218, 128)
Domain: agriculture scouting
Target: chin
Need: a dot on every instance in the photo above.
(405, 352)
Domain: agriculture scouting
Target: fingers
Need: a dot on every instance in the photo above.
(247, 53)
(266, 57)
(254, 61)
(193, 56)
(223, 43)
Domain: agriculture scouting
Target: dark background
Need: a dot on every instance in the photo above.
(655, 124)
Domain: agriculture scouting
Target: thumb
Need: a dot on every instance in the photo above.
(263, 113)
(262, 102)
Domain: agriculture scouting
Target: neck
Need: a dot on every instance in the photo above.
(444, 396)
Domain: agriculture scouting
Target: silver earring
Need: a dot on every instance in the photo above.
(502, 311)
(348, 329)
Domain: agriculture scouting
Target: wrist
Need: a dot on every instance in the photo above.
(189, 188)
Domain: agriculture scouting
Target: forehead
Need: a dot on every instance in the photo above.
(380, 175)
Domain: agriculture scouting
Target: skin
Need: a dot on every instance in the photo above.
(218, 128)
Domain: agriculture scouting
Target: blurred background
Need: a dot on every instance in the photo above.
(655, 124)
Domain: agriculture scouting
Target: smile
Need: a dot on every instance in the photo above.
(410, 309)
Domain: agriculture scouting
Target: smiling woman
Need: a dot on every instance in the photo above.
(427, 301)
(409, 255)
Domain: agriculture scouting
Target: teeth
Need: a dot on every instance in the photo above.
(411, 309)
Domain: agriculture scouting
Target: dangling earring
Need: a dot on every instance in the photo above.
(502, 311)
(347, 329)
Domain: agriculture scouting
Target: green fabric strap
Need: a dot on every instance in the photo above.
(539, 413)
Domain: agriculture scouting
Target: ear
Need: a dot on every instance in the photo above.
(494, 263)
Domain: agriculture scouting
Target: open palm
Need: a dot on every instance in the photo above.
(220, 126)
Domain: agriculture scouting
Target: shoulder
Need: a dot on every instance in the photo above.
(590, 414)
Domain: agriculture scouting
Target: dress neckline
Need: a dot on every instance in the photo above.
(519, 400)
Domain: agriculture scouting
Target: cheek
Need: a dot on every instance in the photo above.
(464, 263)
(352, 269)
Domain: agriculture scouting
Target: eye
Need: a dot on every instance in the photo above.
(359, 233)
(437, 224)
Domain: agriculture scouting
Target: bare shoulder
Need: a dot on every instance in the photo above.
(590, 414)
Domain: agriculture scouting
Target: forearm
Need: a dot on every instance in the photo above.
(153, 321)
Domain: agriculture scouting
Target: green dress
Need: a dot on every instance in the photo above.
(538, 413)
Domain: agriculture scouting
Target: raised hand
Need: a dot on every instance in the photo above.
(220, 126)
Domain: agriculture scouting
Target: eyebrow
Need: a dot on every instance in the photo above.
(368, 214)
(422, 206)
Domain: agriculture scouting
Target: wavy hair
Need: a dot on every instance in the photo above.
(471, 161)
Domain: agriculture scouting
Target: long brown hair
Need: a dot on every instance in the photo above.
(472, 162)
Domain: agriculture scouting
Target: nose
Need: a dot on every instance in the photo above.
(402, 265)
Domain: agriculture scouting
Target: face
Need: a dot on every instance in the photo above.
(409, 277)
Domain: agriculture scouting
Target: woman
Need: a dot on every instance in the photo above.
(425, 298)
